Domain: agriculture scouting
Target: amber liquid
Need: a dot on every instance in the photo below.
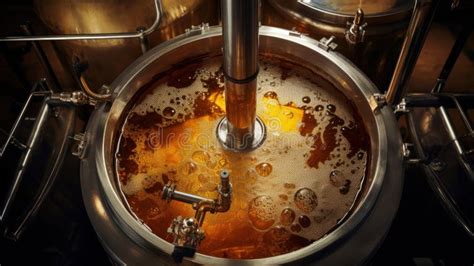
(288, 193)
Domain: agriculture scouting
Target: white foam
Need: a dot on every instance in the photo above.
(285, 151)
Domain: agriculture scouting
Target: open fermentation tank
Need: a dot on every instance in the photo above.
(128, 240)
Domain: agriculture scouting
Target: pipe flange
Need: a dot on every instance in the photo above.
(259, 136)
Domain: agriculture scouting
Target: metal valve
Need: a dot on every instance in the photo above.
(187, 236)
(356, 31)
(187, 232)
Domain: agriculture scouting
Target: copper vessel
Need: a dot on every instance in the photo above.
(375, 54)
(107, 58)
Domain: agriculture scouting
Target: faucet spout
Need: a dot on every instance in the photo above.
(187, 232)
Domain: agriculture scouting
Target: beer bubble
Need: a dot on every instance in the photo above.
(251, 175)
(287, 216)
(153, 213)
(283, 197)
(344, 189)
(203, 178)
(306, 200)
(261, 212)
(288, 114)
(295, 228)
(331, 108)
(169, 112)
(304, 221)
(201, 157)
(189, 168)
(279, 234)
(271, 95)
(306, 99)
(211, 164)
(264, 169)
(222, 162)
(336, 178)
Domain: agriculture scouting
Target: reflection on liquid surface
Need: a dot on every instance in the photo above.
(286, 194)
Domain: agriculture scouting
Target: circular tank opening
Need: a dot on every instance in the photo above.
(294, 189)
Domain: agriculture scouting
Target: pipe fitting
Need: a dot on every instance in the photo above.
(187, 232)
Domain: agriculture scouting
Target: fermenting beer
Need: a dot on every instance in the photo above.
(291, 191)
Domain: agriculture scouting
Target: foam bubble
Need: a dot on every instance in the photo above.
(306, 200)
(265, 202)
(261, 212)
(287, 216)
(264, 169)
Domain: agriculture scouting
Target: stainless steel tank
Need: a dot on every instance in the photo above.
(377, 48)
(107, 58)
(129, 241)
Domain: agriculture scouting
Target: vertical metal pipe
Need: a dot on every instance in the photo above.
(240, 34)
(420, 23)
(240, 30)
(144, 43)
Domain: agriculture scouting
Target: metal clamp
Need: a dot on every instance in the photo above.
(401, 108)
(198, 29)
(293, 32)
(407, 152)
(327, 44)
(377, 101)
(80, 140)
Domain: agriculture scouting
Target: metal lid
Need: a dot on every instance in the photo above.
(370, 7)
(339, 11)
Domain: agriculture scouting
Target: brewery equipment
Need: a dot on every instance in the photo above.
(106, 58)
(369, 33)
(125, 232)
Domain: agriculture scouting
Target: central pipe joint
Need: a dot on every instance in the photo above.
(240, 129)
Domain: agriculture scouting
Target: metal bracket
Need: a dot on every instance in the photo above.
(377, 101)
(327, 44)
(401, 108)
(293, 32)
(81, 142)
(198, 29)
(406, 152)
